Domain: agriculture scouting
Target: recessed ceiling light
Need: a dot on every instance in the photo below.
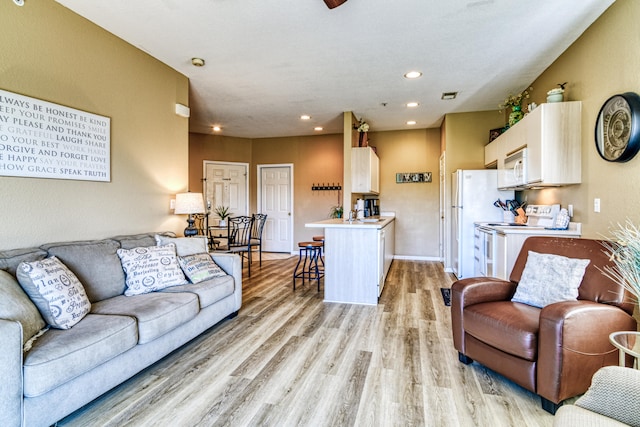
(449, 95)
(411, 122)
(305, 117)
(413, 74)
(198, 62)
(412, 104)
(217, 128)
(317, 128)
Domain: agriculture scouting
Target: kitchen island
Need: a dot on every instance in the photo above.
(358, 255)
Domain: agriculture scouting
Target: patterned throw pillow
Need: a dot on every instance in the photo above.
(150, 269)
(549, 278)
(200, 267)
(55, 290)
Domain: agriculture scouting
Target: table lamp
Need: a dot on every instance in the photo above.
(189, 203)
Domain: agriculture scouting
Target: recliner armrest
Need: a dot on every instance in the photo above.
(573, 343)
(475, 290)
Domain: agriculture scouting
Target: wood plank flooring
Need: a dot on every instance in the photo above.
(289, 359)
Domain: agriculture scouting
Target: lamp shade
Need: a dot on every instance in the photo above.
(189, 203)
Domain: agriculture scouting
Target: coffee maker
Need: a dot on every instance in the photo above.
(371, 207)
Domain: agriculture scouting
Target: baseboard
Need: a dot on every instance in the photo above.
(417, 258)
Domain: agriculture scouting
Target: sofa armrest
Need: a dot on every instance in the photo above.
(232, 265)
(615, 393)
(573, 343)
(471, 291)
(11, 391)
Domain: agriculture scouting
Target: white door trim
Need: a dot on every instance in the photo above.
(215, 162)
(291, 192)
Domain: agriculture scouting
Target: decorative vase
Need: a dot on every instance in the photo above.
(516, 115)
(222, 223)
(555, 97)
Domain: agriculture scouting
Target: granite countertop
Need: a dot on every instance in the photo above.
(373, 222)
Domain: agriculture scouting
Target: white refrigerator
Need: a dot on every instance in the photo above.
(473, 193)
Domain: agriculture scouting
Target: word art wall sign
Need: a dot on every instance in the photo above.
(40, 139)
(405, 177)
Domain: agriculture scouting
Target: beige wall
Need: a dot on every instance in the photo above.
(603, 62)
(315, 159)
(416, 205)
(52, 54)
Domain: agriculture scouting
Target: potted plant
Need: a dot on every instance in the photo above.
(624, 250)
(223, 213)
(336, 212)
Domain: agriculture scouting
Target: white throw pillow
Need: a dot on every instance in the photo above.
(549, 278)
(151, 268)
(55, 290)
(200, 267)
(185, 246)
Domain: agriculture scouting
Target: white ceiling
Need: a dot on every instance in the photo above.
(270, 61)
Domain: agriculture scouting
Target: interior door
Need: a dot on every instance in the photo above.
(276, 200)
(226, 185)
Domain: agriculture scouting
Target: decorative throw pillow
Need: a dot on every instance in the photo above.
(55, 290)
(549, 278)
(150, 269)
(185, 246)
(200, 267)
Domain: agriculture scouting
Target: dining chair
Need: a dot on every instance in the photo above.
(239, 230)
(256, 234)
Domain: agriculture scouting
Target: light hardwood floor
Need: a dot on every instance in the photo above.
(289, 359)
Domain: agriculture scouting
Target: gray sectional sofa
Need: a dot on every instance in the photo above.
(65, 369)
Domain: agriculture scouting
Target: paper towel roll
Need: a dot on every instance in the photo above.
(360, 209)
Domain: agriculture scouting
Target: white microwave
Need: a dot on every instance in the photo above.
(514, 173)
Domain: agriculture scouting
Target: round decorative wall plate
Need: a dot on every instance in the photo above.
(618, 128)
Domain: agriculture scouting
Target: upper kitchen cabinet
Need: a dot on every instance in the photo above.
(365, 176)
(553, 137)
(550, 138)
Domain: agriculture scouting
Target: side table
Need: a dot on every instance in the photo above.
(627, 342)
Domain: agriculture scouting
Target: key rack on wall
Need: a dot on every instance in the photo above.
(327, 187)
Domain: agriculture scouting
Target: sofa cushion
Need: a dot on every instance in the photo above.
(549, 278)
(149, 269)
(200, 267)
(140, 240)
(507, 326)
(55, 290)
(59, 356)
(95, 263)
(16, 305)
(184, 245)
(10, 260)
(157, 313)
(209, 291)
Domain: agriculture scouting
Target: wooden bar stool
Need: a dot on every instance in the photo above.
(320, 239)
(309, 254)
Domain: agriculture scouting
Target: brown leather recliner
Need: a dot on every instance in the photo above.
(553, 351)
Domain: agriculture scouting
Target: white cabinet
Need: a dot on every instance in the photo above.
(357, 259)
(552, 135)
(553, 144)
(491, 154)
(365, 167)
(508, 245)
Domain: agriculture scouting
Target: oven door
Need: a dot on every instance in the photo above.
(484, 252)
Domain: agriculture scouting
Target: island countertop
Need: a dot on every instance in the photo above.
(368, 222)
